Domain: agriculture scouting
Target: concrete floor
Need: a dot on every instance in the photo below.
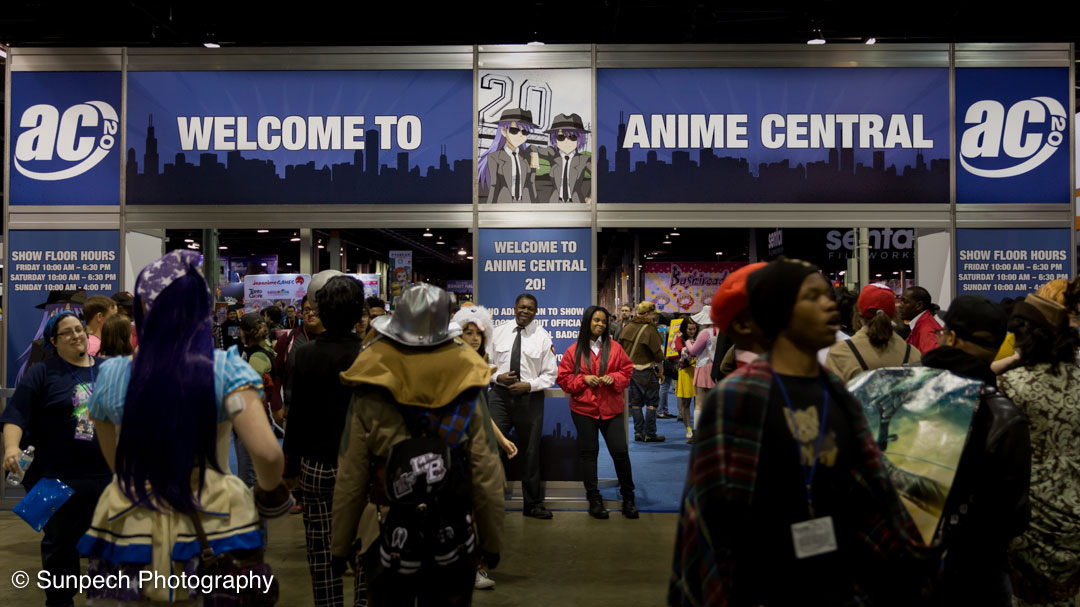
(571, 560)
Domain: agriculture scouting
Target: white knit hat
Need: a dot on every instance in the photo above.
(477, 315)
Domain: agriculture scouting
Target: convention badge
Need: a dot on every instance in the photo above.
(813, 537)
(84, 426)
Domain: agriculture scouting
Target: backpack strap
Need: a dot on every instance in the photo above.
(637, 339)
(858, 356)
(907, 353)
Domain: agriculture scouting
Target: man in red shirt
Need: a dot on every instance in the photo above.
(918, 310)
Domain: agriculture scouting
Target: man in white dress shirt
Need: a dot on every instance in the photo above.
(525, 366)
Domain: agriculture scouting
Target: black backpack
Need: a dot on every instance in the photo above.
(427, 486)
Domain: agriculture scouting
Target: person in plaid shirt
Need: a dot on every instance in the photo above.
(787, 501)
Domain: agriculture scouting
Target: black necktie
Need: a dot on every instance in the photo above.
(517, 179)
(566, 180)
(515, 353)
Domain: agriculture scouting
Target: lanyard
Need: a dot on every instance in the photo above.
(78, 380)
(808, 471)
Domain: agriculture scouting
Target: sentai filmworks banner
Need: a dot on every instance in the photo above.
(798, 135)
(535, 136)
(321, 137)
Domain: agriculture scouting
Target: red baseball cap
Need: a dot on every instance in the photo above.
(877, 296)
(730, 298)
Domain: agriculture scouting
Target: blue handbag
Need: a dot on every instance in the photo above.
(43, 500)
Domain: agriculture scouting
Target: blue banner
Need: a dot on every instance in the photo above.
(1000, 263)
(553, 264)
(319, 137)
(65, 132)
(40, 261)
(821, 135)
(1012, 133)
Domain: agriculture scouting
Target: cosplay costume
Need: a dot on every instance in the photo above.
(127, 538)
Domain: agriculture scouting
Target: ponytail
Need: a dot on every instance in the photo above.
(879, 329)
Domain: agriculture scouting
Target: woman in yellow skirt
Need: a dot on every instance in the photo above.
(684, 387)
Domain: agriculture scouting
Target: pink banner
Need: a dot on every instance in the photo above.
(685, 286)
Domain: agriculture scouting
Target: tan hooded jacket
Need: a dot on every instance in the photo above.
(387, 374)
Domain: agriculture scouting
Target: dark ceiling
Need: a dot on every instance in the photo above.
(143, 23)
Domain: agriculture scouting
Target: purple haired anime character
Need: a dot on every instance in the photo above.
(568, 138)
(507, 168)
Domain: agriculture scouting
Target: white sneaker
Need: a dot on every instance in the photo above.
(483, 582)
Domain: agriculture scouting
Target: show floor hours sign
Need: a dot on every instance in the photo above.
(554, 265)
(40, 261)
(998, 263)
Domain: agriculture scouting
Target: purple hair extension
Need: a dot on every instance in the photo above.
(170, 410)
(498, 144)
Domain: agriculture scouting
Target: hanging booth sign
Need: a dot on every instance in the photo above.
(370, 283)
(799, 135)
(463, 287)
(42, 261)
(318, 137)
(264, 290)
(240, 266)
(65, 130)
(552, 264)
(685, 287)
(1000, 263)
(1012, 133)
(545, 117)
(400, 272)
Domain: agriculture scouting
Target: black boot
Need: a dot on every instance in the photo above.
(596, 507)
(629, 510)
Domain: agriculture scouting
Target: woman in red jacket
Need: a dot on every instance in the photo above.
(594, 372)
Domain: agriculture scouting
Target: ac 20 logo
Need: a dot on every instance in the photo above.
(52, 132)
(995, 131)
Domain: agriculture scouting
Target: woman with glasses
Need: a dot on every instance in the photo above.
(50, 409)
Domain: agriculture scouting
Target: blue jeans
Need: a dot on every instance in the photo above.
(665, 390)
(244, 468)
(644, 392)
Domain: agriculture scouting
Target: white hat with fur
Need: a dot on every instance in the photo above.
(477, 315)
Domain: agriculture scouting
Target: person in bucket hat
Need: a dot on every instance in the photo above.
(413, 381)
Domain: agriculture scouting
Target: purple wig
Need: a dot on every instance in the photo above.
(582, 138)
(498, 144)
(170, 413)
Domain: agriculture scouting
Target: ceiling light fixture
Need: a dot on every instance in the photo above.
(223, 248)
(817, 39)
(427, 233)
(440, 241)
(674, 232)
(870, 40)
(189, 240)
(211, 45)
(322, 247)
(294, 240)
(463, 252)
(668, 241)
(263, 231)
(468, 257)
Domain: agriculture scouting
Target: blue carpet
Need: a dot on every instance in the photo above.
(659, 468)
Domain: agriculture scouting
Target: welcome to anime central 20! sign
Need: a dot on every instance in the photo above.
(801, 135)
(328, 137)
(554, 265)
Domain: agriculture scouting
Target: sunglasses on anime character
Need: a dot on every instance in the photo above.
(571, 137)
(513, 130)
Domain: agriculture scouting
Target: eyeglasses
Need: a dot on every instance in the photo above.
(571, 137)
(513, 130)
(71, 333)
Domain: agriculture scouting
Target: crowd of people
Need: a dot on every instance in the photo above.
(389, 434)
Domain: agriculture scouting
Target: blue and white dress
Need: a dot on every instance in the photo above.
(128, 539)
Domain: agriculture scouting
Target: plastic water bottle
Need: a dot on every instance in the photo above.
(25, 459)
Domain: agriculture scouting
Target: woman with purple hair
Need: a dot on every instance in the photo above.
(507, 169)
(164, 419)
(568, 139)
